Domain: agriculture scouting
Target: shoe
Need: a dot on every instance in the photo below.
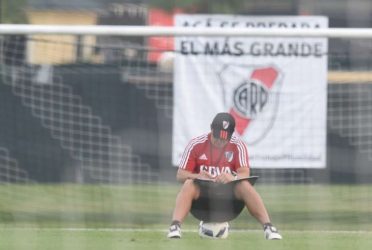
(174, 232)
(271, 233)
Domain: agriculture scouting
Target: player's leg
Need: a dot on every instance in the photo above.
(189, 192)
(255, 205)
(245, 191)
(186, 195)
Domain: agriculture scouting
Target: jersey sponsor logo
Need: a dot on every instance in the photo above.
(215, 171)
(253, 102)
(229, 156)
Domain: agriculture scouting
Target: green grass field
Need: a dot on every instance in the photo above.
(136, 217)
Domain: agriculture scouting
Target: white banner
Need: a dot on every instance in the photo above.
(276, 88)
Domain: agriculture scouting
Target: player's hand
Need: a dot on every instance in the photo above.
(204, 175)
(224, 178)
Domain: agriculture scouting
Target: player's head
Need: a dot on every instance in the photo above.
(223, 126)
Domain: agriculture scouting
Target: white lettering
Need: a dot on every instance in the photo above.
(222, 23)
(215, 171)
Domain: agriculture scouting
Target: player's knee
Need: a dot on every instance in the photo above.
(191, 188)
(242, 188)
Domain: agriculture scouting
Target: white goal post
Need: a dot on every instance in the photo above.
(114, 30)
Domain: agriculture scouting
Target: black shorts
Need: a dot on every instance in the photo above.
(217, 202)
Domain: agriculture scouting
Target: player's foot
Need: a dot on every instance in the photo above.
(174, 231)
(271, 233)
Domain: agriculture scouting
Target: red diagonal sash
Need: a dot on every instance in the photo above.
(266, 76)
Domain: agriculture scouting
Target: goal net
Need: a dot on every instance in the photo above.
(83, 112)
(101, 108)
(117, 109)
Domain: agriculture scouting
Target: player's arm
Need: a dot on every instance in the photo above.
(242, 161)
(187, 166)
(242, 172)
(183, 175)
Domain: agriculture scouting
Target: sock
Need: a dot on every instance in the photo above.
(176, 222)
(267, 225)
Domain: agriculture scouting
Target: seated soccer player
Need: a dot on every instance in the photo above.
(215, 174)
